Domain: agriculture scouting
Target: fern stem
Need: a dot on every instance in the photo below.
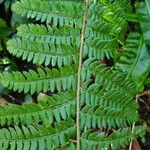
(82, 38)
(133, 128)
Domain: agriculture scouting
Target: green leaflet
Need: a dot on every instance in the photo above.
(33, 137)
(107, 78)
(42, 80)
(42, 33)
(96, 116)
(97, 95)
(49, 108)
(62, 12)
(108, 98)
(43, 53)
(115, 140)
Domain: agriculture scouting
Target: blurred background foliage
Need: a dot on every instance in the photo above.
(8, 23)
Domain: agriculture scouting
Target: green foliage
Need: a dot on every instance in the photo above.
(49, 108)
(143, 15)
(5, 31)
(109, 98)
(110, 79)
(135, 59)
(101, 33)
(60, 12)
(107, 95)
(46, 53)
(96, 140)
(33, 137)
(41, 33)
(42, 80)
(98, 116)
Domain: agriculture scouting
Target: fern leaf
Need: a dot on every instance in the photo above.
(106, 108)
(112, 18)
(108, 78)
(120, 82)
(96, 95)
(109, 100)
(33, 137)
(35, 32)
(105, 22)
(58, 12)
(43, 80)
(115, 140)
(47, 53)
(96, 28)
(94, 116)
(50, 108)
(99, 46)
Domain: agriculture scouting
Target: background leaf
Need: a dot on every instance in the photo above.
(143, 13)
(135, 60)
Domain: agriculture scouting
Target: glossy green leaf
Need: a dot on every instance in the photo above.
(135, 61)
(141, 67)
(143, 13)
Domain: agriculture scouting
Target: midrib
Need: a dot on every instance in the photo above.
(82, 39)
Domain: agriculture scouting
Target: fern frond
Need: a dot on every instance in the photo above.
(90, 68)
(109, 78)
(93, 116)
(109, 100)
(50, 108)
(99, 46)
(97, 95)
(116, 81)
(47, 53)
(105, 22)
(105, 97)
(63, 35)
(37, 137)
(111, 18)
(116, 140)
(106, 108)
(42, 80)
(58, 12)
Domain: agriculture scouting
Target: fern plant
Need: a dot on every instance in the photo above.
(85, 98)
